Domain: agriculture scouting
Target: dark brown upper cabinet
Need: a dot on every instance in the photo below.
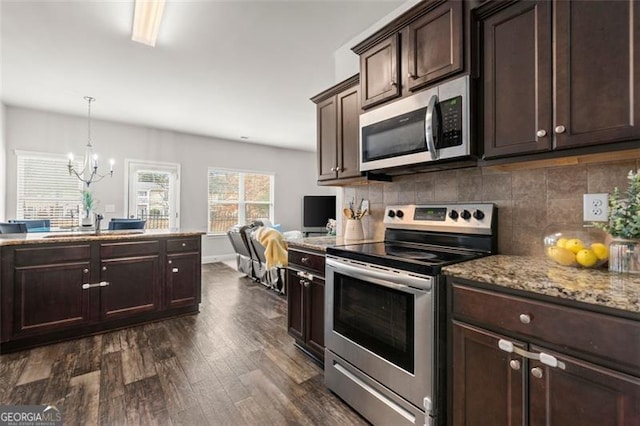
(338, 112)
(421, 46)
(380, 72)
(556, 75)
(435, 45)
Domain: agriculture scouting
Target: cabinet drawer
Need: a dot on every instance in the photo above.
(306, 260)
(129, 248)
(183, 244)
(50, 255)
(601, 335)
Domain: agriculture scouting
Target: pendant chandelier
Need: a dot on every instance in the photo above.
(89, 173)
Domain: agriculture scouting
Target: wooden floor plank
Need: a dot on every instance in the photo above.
(112, 412)
(58, 384)
(84, 391)
(176, 388)
(39, 364)
(11, 367)
(27, 394)
(137, 364)
(89, 352)
(112, 377)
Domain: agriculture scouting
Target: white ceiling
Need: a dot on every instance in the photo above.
(224, 69)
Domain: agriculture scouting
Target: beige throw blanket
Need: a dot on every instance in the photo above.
(275, 247)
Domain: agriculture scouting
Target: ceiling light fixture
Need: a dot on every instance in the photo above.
(89, 172)
(146, 21)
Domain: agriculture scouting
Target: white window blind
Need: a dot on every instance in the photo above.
(45, 189)
(238, 198)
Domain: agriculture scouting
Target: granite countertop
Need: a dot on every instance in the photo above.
(62, 236)
(541, 276)
(322, 242)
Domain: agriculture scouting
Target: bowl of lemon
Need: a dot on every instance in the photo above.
(577, 247)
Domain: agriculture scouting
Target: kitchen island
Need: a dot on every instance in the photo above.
(61, 285)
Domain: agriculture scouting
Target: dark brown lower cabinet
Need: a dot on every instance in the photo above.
(51, 297)
(55, 291)
(183, 279)
(493, 386)
(305, 301)
(133, 286)
(488, 383)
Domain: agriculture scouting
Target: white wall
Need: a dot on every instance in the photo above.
(295, 171)
(3, 164)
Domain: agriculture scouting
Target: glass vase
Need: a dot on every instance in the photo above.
(624, 256)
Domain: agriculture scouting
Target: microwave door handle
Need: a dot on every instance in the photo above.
(428, 127)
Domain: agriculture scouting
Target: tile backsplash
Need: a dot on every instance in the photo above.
(527, 200)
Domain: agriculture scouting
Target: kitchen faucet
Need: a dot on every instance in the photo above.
(99, 218)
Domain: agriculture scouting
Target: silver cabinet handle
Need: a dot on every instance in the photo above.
(104, 268)
(514, 364)
(304, 260)
(411, 75)
(393, 83)
(170, 262)
(174, 270)
(305, 275)
(541, 133)
(536, 372)
(304, 283)
(560, 129)
(428, 127)
(184, 244)
(100, 284)
(339, 169)
(525, 318)
(86, 271)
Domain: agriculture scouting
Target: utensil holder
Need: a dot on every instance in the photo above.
(353, 230)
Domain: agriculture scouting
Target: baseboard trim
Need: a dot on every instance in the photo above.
(218, 258)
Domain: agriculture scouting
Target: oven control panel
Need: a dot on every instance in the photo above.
(477, 218)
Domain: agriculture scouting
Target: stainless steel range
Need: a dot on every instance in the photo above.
(385, 311)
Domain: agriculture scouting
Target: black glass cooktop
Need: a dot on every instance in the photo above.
(419, 258)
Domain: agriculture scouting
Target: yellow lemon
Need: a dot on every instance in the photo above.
(586, 258)
(600, 250)
(562, 242)
(561, 256)
(574, 245)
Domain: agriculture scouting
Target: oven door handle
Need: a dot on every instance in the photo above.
(411, 284)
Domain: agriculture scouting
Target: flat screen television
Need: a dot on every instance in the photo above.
(316, 212)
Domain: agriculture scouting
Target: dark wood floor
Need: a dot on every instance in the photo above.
(233, 363)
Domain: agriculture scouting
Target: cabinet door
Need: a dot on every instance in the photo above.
(516, 79)
(51, 297)
(435, 45)
(379, 72)
(133, 286)
(488, 384)
(315, 316)
(183, 280)
(295, 305)
(327, 139)
(581, 394)
(349, 133)
(597, 72)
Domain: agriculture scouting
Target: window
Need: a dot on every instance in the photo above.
(45, 189)
(238, 198)
(153, 193)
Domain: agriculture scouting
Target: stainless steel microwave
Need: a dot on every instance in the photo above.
(429, 126)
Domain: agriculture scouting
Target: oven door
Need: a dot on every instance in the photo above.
(382, 322)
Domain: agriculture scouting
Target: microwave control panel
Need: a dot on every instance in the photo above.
(451, 113)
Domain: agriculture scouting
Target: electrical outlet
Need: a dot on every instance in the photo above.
(595, 207)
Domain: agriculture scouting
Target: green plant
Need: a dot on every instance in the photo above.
(87, 200)
(624, 213)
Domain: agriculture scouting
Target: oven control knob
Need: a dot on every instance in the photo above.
(478, 214)
(391, 213)
(453, 214)
(465, 215)
(399, 214)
